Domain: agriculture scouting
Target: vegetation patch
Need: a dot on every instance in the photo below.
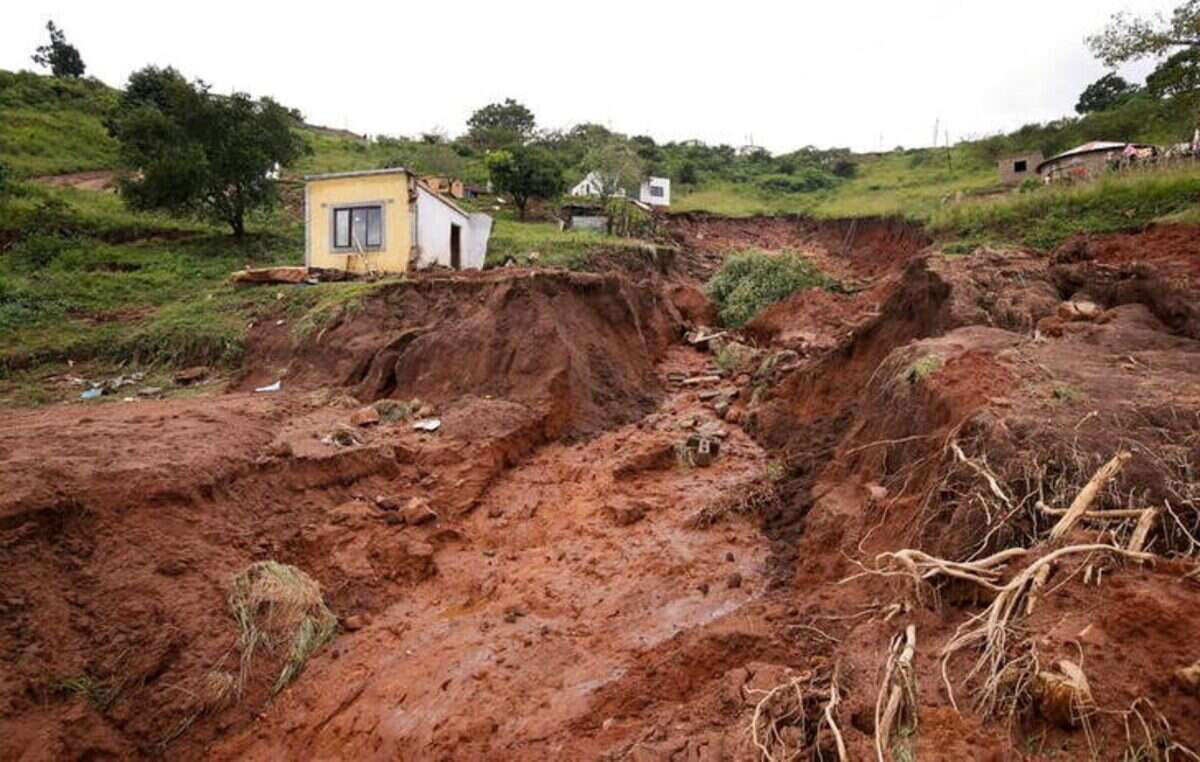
(1045, 218)
(278, 606)
(750, 281)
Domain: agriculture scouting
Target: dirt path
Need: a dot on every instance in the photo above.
(96, 180)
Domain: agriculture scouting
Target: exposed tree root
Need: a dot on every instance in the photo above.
(1148, 736)
(896, 706)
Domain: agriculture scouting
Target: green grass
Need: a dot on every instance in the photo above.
(907, 183)
(50, 126)
(750, 281)
(570, 249)
(103, 283)
(1046, 217)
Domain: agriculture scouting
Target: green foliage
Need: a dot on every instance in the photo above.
(526, 172)
(197, 154)
(569, 249)
(1178, 75)
(500, 125)
(616, 165)
(62, 57)
(1129, 38)
(1045, 218)
(805, 180)
(51, 126)
(751, 281)
(1106, 92)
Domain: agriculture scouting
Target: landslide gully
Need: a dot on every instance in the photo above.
(582, 594)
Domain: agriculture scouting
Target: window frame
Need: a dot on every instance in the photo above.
(350, 209)
(1020, 166)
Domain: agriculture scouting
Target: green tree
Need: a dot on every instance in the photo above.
(499, 125)
(1177, 75)
(617, 167)
(525, 172)
(192, 153)
(688, 174)
(62, 57)
(1106, 92)
(1129, 38)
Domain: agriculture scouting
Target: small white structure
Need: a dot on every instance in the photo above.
(446, 234)
(593, 185)
(655, 191)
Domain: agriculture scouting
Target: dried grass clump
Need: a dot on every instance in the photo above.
(277, 604)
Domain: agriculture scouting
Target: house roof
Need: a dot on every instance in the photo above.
(358, 173)
(1094, 146)
(422, 186)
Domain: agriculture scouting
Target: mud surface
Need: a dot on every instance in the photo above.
(555, 573)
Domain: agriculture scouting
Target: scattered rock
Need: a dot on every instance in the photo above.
(734, 581)
(342, 436)
(387, 503)
(191, 375)
(700, 380)
(721, 408)
(356, 622)
(1078, 311)
(1189, 678)
(625, 514)
(418, 512)
(708, 394)
(513, 613)
(703, 588)
(367, 416)
(1063, 697)
(150, 391)
(654, 455)
(172, 567)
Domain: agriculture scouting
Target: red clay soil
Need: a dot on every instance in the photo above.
(581, 589)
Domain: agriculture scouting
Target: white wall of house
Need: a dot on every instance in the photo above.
(655, 191)
(434, 218)
(593, 185)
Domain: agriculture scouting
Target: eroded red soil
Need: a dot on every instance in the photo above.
(578, 586)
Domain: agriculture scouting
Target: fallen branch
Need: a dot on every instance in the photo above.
(1087, 495)
(1137, 541)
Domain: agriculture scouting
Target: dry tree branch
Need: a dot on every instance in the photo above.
(1087, 495)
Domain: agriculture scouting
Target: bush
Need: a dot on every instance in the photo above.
(804, 180)
(751, 281)
(38, 251)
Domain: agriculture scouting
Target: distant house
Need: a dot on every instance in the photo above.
(1091, 159)
(593, 185)
(655, 191)
(385, 220)
(1015, 170)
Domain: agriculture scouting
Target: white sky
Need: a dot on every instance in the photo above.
(829, 73)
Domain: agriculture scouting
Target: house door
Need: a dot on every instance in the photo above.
(456, 246)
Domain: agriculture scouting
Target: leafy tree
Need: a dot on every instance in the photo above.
(617, 167)
(688, 175)
(1106, 92)
(62, 57)
(845, 168)
(525, 172)
(1128, 38)
(1178, 74)
(193, 153)
(499, 125)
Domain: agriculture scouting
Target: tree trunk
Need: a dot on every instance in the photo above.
(521, 204)
(238, 223)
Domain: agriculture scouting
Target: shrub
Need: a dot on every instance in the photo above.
(750, 281)
(37, 251)
(804, 180)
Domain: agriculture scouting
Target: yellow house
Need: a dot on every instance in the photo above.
(360, 221)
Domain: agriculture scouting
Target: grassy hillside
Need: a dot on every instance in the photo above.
(50, 126)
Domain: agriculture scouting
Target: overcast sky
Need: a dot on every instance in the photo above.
(788, 74)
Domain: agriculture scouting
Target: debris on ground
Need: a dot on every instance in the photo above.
(427, 424)
(260, 275)
(191, 375)
(277, 386)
